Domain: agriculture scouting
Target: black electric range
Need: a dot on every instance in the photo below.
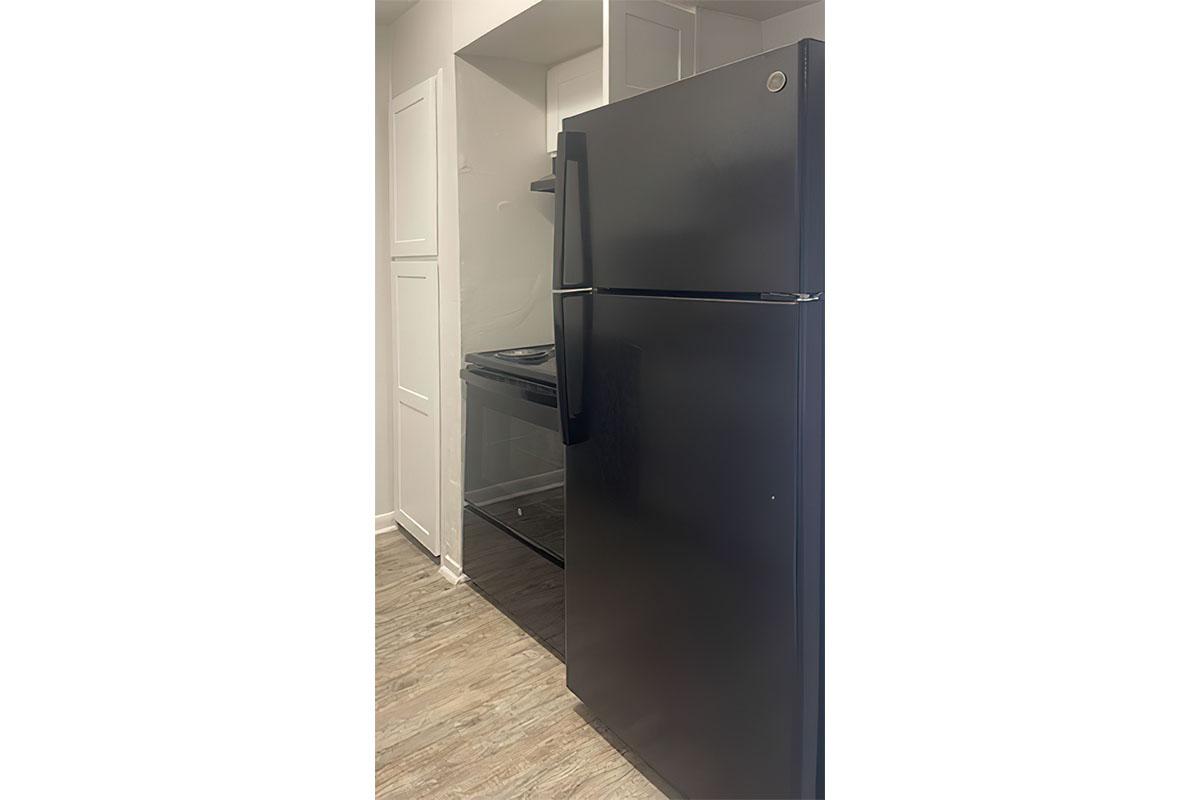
(535, 364)
(513, 543)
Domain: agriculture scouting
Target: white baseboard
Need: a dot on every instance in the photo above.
(451, 571)
(385, 523)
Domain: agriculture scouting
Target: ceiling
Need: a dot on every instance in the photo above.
(754, 9)
(548, 32)
(389, 10)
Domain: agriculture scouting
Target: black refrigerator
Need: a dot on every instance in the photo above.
(689, 323)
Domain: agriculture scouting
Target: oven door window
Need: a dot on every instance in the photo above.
(514, 460)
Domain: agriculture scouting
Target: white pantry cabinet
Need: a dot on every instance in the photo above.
(415, 367)
(413, 185)
(413, 191)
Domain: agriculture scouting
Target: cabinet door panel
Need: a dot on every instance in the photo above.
(651, 44)
(413, 184)
(415, 344)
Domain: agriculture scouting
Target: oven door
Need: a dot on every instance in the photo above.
(513, 492)
(513, 472)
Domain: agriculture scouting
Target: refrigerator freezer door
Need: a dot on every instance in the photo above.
(688, 517)
(711, 184)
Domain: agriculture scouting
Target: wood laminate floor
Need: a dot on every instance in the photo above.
(469, 705)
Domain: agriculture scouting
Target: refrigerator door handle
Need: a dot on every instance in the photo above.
(572, 241)
(790, 297)
(572, 335)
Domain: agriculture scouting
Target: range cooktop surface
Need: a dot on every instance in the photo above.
(535, 363)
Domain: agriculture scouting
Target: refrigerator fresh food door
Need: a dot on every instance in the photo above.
(693, 534)
(714, 184)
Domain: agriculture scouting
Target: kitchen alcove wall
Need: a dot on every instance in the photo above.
(505, 230)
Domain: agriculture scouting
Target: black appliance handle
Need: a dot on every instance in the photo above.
(572, 337)
(572, 241)
(560, 186)
(506, 386)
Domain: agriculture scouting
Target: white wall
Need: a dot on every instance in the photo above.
(723, 38)
(384, 476)
(506, 231)
(807, 22)
(421, 45)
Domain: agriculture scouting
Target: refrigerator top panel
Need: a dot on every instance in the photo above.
(714, 184)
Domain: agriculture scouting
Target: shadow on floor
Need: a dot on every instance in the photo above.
(419, 547)
(520, 622)
(637, 763)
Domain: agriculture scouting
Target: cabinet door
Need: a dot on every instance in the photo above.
(413, 185)
(572, 87)
(415, 344)
(651, 44)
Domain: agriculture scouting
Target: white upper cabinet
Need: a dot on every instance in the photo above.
(413, 152)
(650, 44)
(572, 87)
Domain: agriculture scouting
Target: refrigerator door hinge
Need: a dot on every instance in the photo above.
(790, 297)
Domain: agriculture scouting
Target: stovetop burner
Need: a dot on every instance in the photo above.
(533, 363)
(526, 355)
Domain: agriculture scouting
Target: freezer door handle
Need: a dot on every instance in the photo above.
(572, 241)
(572, 338)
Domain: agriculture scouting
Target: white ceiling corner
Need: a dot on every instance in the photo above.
(752, 9)
(387, 11)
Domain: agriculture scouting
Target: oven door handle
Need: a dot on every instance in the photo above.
(497, 384)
